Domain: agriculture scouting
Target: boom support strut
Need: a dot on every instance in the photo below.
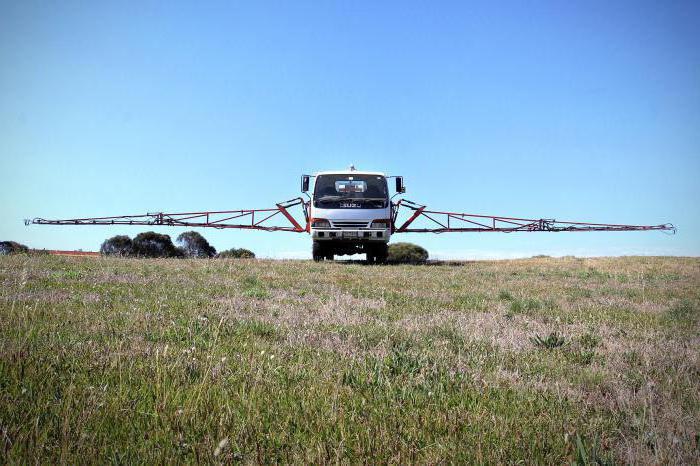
(444, 222)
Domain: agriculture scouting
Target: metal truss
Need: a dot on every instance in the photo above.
(247, 219)
(444, 222)
(269, 220)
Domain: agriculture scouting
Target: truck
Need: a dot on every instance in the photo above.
(350, 212)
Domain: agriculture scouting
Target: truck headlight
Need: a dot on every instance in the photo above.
(380, 223)
(320, 223)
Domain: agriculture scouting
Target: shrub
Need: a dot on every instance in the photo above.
(407, 253)
(234, 253)
(152, 244)
(195, 245)
(12, 247)
(120, 245)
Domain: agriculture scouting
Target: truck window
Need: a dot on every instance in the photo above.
(370, 190)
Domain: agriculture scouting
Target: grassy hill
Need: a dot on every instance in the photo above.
(541, 360)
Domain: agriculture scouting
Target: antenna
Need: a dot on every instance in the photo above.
(352, 167)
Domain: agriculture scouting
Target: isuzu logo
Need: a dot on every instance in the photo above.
(349, 205)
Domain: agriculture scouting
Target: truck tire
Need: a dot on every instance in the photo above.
(377, 253)
(381, 253)
(317, 251)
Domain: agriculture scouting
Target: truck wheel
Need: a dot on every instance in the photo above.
(381, 253)
(317, 251)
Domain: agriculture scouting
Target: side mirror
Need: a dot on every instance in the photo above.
(400, 188)
(304, 183)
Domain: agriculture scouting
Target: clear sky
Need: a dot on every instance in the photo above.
(571, 110)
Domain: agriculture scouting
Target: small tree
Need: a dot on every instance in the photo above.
(120, 245)
(12, 247)
(239, 253)
(152, 244)
(195, 245)
(407, 253)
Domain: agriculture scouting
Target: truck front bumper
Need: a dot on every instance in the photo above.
(361, 235)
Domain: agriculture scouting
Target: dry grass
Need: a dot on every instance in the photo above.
(261, 361)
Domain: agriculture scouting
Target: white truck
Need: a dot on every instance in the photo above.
(350, 213)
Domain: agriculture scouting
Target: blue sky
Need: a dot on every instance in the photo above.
(571, 110)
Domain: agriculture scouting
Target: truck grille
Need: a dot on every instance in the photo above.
(349, 224)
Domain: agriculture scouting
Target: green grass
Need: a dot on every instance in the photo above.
(119, 360)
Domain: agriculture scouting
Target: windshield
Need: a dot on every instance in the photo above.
(350, 191)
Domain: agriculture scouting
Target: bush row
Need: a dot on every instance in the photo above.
(152, 244)
(193, 244)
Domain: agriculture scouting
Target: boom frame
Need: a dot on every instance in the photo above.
(446, 222)
(438, 221)
(221, 219)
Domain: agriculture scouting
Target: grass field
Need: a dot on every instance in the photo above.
(119, 360)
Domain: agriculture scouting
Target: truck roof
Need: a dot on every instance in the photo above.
(345, 171)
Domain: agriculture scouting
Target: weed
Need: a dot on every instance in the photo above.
(591, 453)
(254, 288)
(258, 293)
(589, 340)
(582, 357)
(258, 329)
(684, 312)
(476, 302)
(527, 305)
(551, 341)
(516, 307)
(505, 296)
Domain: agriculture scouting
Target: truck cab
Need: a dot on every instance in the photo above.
(350, 213)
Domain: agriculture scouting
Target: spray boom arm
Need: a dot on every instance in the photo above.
(443, 222)
(247, 219)
(267, 220)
